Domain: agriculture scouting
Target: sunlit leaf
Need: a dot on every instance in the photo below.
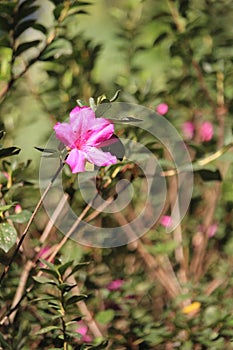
(8, 236)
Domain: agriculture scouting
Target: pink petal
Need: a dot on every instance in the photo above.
(188, 130)
(65, 134)
(206, 131)
(81, 120)
(166, 221)
(82, 330)
(76, 160)
(115, 285)
(162, 108)
(99, 158)
(100, 132)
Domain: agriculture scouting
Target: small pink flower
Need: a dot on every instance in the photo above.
(44, 254)
(188, 130)
(84, 135)
(166, 221)
(83, 329)
(212, 229)
(162, 108)
(206, 131)
(18, 209)
(115, 285)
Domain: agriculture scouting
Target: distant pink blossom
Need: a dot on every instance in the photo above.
(84, 135)
(82, 330)
(44, 254)
(115, 284)
(166, 221)
(18, 209)
(212, 229)
(188, 130)
(162, 108)
(206, 131)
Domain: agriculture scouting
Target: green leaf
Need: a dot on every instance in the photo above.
(25, 46)
(8, 236)
(40, 27)
(21, 217)
(65, 287)
(26, 11)
(57, 48)
(209, 175)
(64, 267)
(77, 268)
(4, 343)
(47, 329)
(21, 27)
(50, 272)
(7, 207)
(43, 280)
(9, 151)
(75, 298)
(46, 150)
(106, 316)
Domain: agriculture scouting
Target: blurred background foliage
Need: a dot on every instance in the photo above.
(53, 52)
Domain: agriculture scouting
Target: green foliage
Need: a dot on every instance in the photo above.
(54, 52)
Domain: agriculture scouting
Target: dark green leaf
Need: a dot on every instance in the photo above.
(160, 38)
(47, 329)
(26, 3)
(43, 280)
(9, 151)
(4, 343)
(25, 46)
(47, 150)
(26, 11)
(75, 298)
(77, 268)
(2, 133)
(21, 27)
(7, 207)
(50, 272)
(8, 236)
(57, 11)
(40, 27)
(64, 287)
(57, 48)
(64, 267)
(209, 175)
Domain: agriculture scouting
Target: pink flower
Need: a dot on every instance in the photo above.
(206, 131)
(83, 329)
(162, 108)
(212, 229)
(18, 209)
(84, 136)
(115, 285)
(188, 130)
(166, 221)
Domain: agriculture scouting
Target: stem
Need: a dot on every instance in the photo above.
(30, 222)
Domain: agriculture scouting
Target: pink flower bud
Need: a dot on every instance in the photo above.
(162, 108)
(212, 229)
(82, 330)
(166, 221)
(188, 130)
(115, 285)
(206, 131)
(18, 209)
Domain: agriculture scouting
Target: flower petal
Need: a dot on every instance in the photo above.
(81, 120)
(99, 158)
(100, 131)
(76, 160)
(65, 134)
